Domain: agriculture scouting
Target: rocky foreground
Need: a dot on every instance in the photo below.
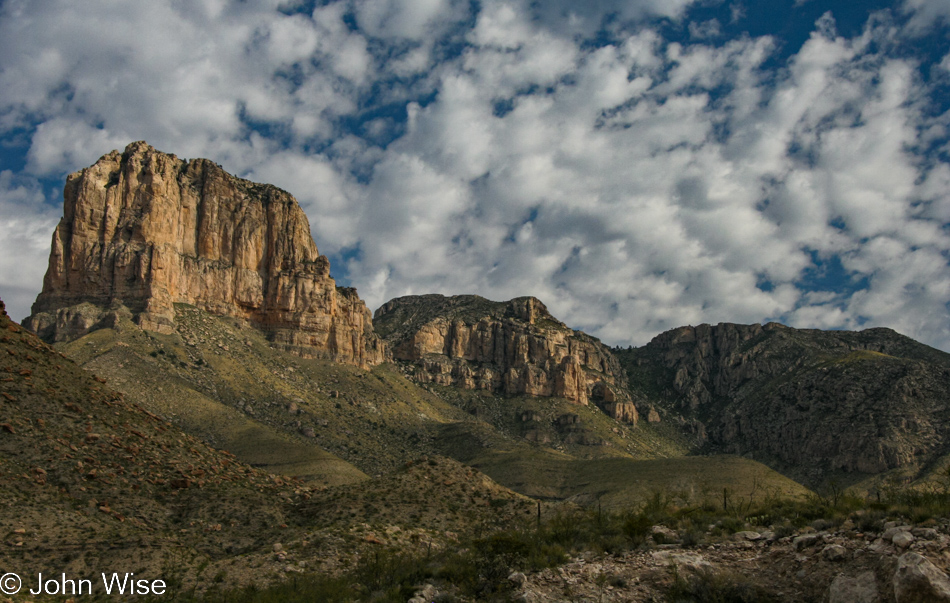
(900, 564)
(845, 566)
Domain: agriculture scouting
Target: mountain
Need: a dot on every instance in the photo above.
(813, 404)
(514, 347)
(143, 230)
(202, 298)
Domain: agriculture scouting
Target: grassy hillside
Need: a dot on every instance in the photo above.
(334, 424)
(620, 483)
(94, 482)
(329, 423)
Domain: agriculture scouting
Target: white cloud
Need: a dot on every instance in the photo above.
(926, 14)
(705, 30)
(413, 19)
(26, 229)
(633, 186)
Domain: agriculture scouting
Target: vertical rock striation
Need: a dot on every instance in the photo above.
(143, 230)
(513, 347)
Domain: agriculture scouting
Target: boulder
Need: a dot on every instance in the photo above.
(917, 580)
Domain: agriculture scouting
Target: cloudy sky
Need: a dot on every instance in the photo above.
(637, 165)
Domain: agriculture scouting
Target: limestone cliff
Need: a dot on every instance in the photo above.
(513, 347)
(809, 402)
(143, 230)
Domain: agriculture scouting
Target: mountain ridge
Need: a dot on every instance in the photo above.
(851, 402)
(145, 235)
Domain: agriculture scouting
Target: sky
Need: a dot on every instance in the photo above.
(637, 165)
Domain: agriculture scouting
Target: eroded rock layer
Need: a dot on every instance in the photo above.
(143, 230)
(513, 347)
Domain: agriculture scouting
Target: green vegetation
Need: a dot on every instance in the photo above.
(326, 422)
(478, 568)
(618, 483)
(709, 586)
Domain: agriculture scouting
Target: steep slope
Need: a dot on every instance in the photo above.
(92, 482)
(225, 383)
(143, 230)
(513, 347)
(813, 404)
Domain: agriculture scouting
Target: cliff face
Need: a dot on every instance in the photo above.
(811, 401)
(514, 347)
(143, 230)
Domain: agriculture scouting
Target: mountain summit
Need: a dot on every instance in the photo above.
(514, 347)
(143, 230)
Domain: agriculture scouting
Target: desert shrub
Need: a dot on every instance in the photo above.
(708, 586)
(390, 573)
(483, 568)
(694, 538)
(637, 527)
(729, 525)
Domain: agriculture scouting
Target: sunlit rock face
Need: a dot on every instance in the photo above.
(513, 347)
(143, 230)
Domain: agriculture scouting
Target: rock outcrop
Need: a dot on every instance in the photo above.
(143, 230)
(513, 347)
(805, 401)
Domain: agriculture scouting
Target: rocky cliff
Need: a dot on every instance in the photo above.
(143, 230)
(810, 402)
(513, 347)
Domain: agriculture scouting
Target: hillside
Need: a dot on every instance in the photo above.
(816, 405)
(334, 424)
(94, 482)
(92, 478)
(326, 422)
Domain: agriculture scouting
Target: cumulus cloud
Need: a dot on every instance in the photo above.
(926, 14)
(556, 149)
(26, 229)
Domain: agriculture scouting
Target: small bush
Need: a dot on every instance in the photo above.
(708, 586)
(637, 528)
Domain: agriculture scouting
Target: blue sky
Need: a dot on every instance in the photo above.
(637, 165)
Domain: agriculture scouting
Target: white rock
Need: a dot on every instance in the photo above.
(748, 535)
(834, 552)
(688, 561)
(903, 540)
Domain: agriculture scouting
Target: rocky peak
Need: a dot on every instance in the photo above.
(714, 361)
(808, 402)
(143, 230)
(513, 347)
